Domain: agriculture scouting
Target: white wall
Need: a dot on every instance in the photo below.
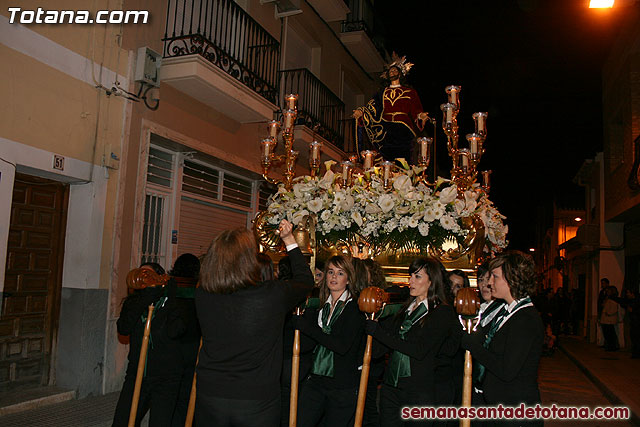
(85, 217)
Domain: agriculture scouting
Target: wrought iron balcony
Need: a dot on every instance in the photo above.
(318, 107)
(363, 33)
(226, 36)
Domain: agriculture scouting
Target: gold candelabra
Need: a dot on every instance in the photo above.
(288, 159)
(465, 160)
(464, 172)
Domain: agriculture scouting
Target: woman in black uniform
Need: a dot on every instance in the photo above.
(330, 391)
(238, 373)
(509, 347)
(423, 340)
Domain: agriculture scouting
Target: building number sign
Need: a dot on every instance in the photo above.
(58, 162)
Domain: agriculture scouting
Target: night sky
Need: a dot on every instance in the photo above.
(535, 67)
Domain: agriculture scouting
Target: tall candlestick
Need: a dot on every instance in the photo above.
(368, 156)
(292, 101)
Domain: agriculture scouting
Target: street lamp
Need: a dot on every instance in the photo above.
(601, 4)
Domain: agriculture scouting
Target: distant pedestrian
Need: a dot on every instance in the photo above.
(608, 321)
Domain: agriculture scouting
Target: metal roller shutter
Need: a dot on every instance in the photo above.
(200, 222)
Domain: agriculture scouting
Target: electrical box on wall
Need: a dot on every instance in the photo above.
(148, 65)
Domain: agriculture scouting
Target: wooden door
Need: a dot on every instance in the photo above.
(31, 298)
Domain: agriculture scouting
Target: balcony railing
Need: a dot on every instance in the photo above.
(224, 34)
(363, 18)
(318, 107)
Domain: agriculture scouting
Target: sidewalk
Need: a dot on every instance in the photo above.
(87, 412)
(614, 373)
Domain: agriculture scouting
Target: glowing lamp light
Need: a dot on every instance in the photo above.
(532, 249)
(601, 4)
(577, 219)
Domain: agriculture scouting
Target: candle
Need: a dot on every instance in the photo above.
(289, 117)
(463, 155)
(267, 146)
(447, 109)
(475, 144)
(314, 154)
(368, 156)
(486, 180)
(292, 101)
(424, 144)
(346, 171)
(452, 94)
(480, 120)
(386, 172)
(273, 127)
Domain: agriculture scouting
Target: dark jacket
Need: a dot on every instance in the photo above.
(345, 340)
(511, 361)
(168, 325)
(431, 345)
(241, 354)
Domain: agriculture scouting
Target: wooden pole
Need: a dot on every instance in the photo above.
(364, 380)
(295, 375)
(191, 409)
(467, 382)
(467, 303)
(141, 365)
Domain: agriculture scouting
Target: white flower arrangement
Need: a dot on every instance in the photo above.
(409, 211)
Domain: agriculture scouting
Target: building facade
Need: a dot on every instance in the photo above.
(124, 143)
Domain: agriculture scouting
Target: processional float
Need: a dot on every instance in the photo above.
(383, 210)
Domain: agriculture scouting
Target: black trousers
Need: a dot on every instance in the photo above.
(334, 406)
(610, 337)
(182, 401)
(393, 399)
(223, 412)
(156, 394)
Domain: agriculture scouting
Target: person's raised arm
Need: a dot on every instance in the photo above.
(301, 282)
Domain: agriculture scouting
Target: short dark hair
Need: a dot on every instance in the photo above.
(230, 263)
(465, 278)
(154, 266)
(604, 280)
(483, 269)
(519, 272)
(186, 265)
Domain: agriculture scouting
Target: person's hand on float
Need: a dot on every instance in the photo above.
(422, 119)
(286, 228)
(357, 113)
